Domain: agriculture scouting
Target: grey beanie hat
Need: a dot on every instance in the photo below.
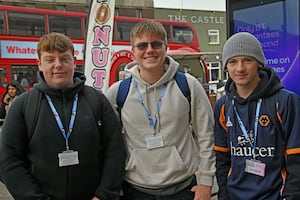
(243, 44)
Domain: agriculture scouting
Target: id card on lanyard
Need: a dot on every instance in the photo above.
(68, 157)
(253, 166)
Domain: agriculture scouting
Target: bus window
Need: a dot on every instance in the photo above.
(182, 34)
(123, 30)
(3, 77)
(179, 34)
(2, 28)
(24, 74)
(70, 26)
(26, 24)
(79, 68)
(167, 27)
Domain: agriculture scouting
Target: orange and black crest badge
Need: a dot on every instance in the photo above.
(264, 120)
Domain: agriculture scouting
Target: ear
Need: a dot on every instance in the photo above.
(38, 61)
(260, 66)
(75, 60)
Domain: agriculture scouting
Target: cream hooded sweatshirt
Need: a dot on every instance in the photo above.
(181, 155)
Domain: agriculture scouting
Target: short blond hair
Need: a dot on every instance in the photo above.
(148, 26)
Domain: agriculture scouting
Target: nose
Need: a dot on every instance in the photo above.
(149, 47)
(57, 62)
(240, 65)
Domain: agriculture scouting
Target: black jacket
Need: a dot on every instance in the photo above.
(30, 168)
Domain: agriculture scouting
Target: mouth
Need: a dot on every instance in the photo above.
(58, 74)
(150, 58)
(241, 76)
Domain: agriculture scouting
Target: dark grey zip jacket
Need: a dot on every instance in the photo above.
(29, 166)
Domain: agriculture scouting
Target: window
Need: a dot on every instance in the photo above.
(61, 7)
(29, 5)
(214, 72)
(138, 13)
(225, 75)
(25, 74)
(79, 68)
(213, 37)
(2, 28)
(182, 34)
(167, 27)
(26, 24)
(3, 77)
(123, 30)
(70, 26)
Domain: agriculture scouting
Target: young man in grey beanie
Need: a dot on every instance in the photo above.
(255, 160)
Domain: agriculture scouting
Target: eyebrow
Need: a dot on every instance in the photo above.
(60, 56)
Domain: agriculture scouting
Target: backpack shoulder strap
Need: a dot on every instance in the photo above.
(223, 112)
(33, 102)
(226, 105)
(90, 94)
(180, 79)
(32, 108)
(182, 83)
(123, 92)
(272, 110)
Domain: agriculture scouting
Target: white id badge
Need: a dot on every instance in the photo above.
(255, 167)
(67, 158)
(154, 141)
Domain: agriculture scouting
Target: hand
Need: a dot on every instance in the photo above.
(202, 192)
(6, 108)
(6, 98)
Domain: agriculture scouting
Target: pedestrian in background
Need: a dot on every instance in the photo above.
(71, 154)
(13, 89)
(156, 117)
(255, 160)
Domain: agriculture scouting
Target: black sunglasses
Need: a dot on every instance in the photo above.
(144, 45)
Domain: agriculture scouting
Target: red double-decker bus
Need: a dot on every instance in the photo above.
(22, 27)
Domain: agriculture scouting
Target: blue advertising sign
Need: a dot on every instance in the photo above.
(276, 25)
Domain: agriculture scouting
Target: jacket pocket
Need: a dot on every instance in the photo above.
(155, 167)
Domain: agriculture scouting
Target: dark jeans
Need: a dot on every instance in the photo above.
(131, 193)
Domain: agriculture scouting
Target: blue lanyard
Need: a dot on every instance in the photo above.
(58, 120)
(153, 120)
(242, 126)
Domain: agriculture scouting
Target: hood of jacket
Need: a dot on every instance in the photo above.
(171, 66)
(78, 78)
(268, 85)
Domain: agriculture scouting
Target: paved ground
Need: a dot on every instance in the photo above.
(4, 194)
